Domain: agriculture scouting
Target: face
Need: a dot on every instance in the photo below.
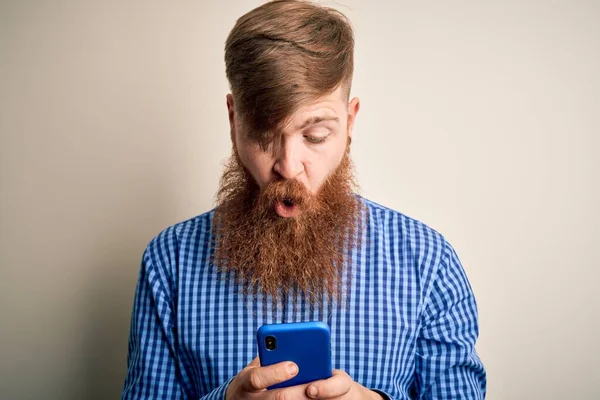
(286, 216)
(308, 149)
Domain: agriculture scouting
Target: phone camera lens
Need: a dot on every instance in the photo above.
(270, 342)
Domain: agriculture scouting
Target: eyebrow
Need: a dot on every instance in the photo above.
(317, 119)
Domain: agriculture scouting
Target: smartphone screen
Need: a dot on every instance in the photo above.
(307, 344)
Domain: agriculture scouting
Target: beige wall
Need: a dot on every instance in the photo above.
(480, 118)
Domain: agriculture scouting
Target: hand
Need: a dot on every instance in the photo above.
(340, 386)
(253, 380)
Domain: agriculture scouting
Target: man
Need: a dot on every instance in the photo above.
(290, 241)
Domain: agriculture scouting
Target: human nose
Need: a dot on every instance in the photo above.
(288, 163)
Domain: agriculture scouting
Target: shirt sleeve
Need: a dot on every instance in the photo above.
(447, 365)
(153, 368)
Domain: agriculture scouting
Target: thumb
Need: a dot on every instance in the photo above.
(255, 362)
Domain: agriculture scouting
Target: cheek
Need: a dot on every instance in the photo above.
(320, 168)
(257, 163)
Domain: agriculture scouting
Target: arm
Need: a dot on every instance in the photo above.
(153, 368)
(151, 362)
(447, 366)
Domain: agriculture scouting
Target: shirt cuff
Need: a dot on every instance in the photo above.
(219, 393)
(382, 394)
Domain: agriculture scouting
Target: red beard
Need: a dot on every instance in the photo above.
(309, 253)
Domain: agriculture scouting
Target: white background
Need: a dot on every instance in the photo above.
(480, 118)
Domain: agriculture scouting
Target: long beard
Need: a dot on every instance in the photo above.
(310, 252)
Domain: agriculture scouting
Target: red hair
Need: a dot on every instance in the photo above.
(283, 54)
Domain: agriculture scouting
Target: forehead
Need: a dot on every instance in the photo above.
(331, 105)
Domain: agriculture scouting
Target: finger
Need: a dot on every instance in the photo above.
(297, 392)
(254, 363)
(336, 386)
(259, 378)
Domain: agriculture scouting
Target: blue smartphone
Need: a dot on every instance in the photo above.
(308, 344)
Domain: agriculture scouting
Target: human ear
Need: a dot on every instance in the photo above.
(231, 112)
(353, 108)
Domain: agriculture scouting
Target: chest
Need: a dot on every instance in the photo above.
(373, 331)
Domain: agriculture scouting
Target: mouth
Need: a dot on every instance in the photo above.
(286, 208)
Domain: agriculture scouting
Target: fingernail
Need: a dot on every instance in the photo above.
(292, 369)
(312, 391)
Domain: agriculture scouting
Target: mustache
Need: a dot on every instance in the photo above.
(290, 191)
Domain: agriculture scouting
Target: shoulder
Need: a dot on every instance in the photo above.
(402, 228)
(173, 236)
(416, 246)
(163, 252)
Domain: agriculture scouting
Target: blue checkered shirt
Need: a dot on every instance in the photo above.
(407, 329)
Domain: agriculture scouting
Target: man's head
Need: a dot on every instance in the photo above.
(286, 215)
(283, 55)
(289, 65)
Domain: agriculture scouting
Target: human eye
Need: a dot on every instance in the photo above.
(317, 135)
(262, 141)
(315, 139)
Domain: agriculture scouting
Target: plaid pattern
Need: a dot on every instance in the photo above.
(407, 327)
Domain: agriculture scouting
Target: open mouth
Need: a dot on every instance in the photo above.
(287, 208)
